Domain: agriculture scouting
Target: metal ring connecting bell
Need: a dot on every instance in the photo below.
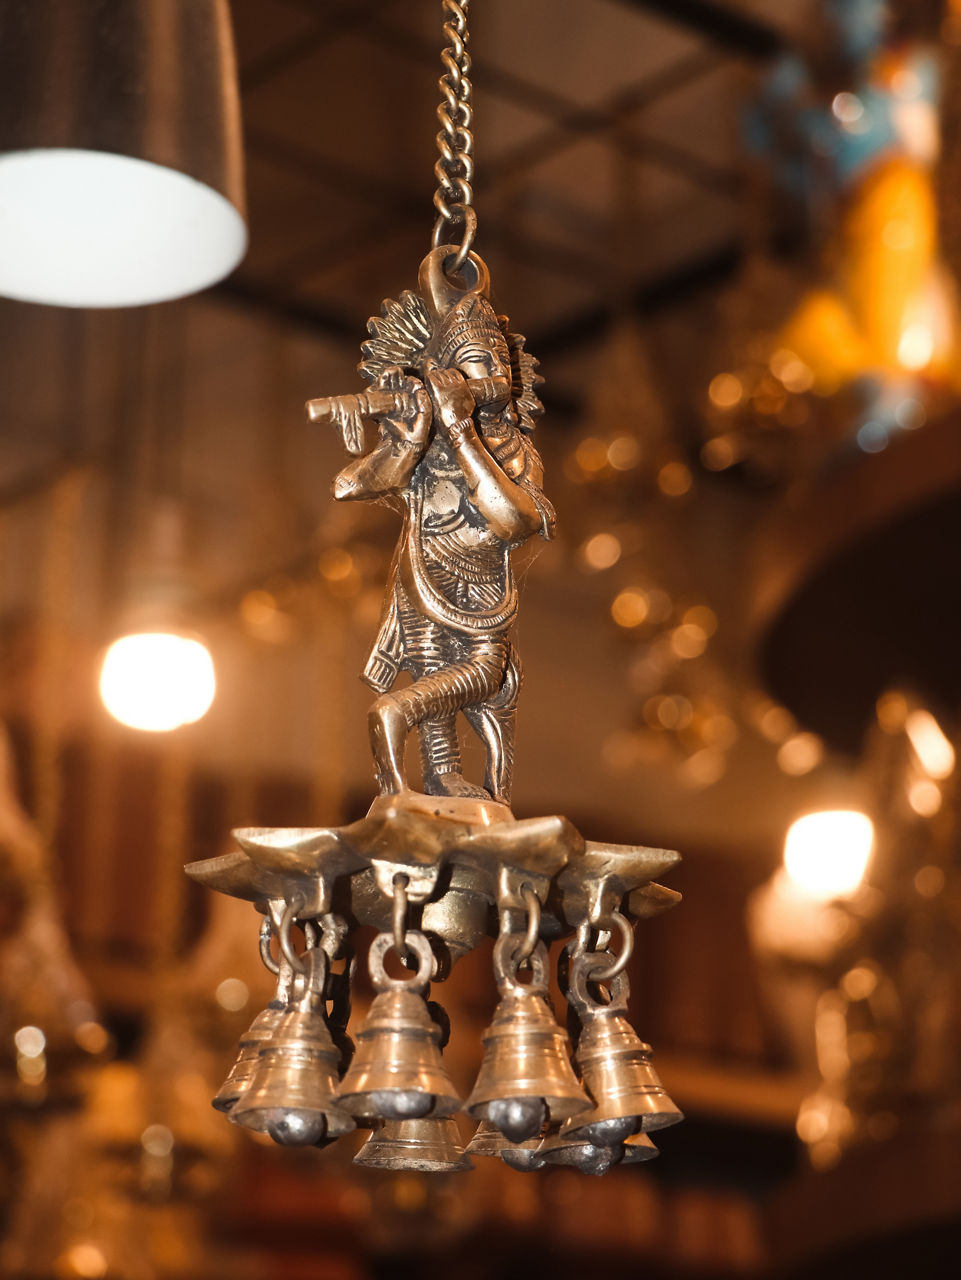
(583, 975)
(619, 963)
(282, 928)
(266, 938)
(507, 962)
(531, 938)
(414, 942)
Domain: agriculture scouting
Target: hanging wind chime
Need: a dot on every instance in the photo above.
(453, 395)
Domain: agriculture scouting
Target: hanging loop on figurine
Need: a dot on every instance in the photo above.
(414, 943)
(440, 290)
(400, 915)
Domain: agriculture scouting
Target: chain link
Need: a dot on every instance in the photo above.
(454, 170)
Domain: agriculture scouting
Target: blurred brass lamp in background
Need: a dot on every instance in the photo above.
(121, 163)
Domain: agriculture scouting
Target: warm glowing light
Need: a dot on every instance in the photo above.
(688, 640)
(924, 797)
(719, 453)
(630, 607)
(703, 768)
(336, 564)
(668, 712)
(674, 479)
(860, 983)
(932, 748)
(799, 754)
(84, 1260)
(601, 552)
(157, 681)
(916, 348)
(791, 371)
(892, 711)
(157, 1140)
(848, 108)
(131, 233)
(929, 881)
(725, 391)
(623, 453)
(776, 722)
(898, 235)
(826, 854)
(699, 615)
(591, 455)
(232, 994)
(30, 1041)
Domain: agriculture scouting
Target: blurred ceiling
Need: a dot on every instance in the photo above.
(607, 161)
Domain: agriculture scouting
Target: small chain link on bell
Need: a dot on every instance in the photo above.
(525, 1078)
(397, 1072)
(292, 1093)
(429, 1144)
(615, 1065)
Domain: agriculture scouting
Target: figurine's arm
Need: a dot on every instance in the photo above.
(508, 508)
(389, 466)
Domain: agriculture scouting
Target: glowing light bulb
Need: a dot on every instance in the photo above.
(826, 854)
(916, 347)
(930, 745)
(157, 681)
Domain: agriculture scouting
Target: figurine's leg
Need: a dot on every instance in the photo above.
(493, 722)
(436, 697)
(387, 727)
(425, 652)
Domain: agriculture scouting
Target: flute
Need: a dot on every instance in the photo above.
(348, 412)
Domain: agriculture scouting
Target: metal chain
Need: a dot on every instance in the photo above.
(454, 198)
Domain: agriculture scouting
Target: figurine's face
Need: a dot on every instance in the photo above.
(479, 359)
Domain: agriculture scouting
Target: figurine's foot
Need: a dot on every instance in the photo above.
(453, 784)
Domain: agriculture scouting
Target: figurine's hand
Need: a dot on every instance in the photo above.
(411, 425)
(452, 398)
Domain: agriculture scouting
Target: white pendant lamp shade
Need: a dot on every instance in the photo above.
(121, 165)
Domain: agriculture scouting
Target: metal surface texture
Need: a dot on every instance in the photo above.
(450, 408)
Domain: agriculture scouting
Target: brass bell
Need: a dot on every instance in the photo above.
(639, 1148)
(291, 1095)
(429, 1144)
(489, 1141)
(260, 1031)
(614, 1063)
(251, 1042)
(579, 1154)
(397, 1072)
(525, 1079)
(616, 1067)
